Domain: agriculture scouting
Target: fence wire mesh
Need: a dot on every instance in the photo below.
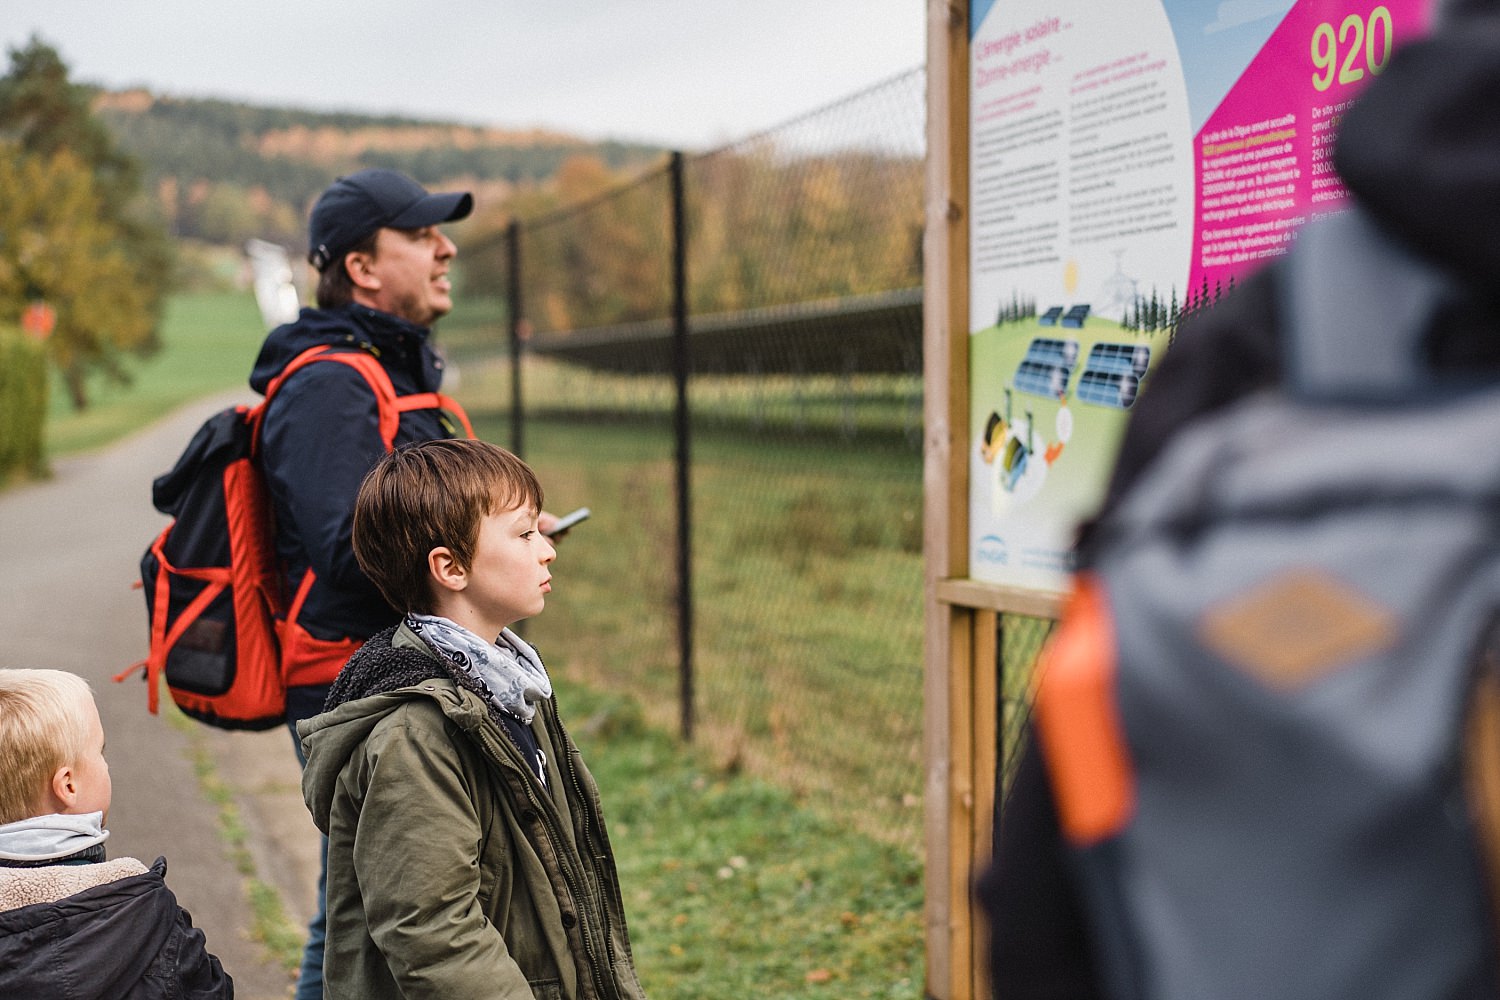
(599, 396)
(1021, 641)
(825, 207)
(807, 472)
(803, 250)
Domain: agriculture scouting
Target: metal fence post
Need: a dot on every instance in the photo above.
(513, 294)
(680, 369)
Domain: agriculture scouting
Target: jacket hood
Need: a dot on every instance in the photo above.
(352, 326)
(392, 669)
(1420, 149)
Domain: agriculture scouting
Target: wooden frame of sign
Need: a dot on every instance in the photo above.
(963, 617)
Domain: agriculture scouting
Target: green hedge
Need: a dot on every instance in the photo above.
(23, 404)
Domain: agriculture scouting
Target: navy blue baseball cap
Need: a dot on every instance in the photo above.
(353, 207)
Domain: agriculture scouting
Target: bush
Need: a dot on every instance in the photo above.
(23, 404)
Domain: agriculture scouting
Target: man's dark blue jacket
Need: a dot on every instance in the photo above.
(320, 437)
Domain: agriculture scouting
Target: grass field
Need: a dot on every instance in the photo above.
(779, 856)
(807, 697)
(209, 341)
(731, 888)
(807, 585)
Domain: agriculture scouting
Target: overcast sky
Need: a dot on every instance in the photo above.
(686, 73)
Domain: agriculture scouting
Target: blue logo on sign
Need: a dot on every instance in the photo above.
(993, 550)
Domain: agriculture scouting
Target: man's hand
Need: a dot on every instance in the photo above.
(555, 527)
(546, 523)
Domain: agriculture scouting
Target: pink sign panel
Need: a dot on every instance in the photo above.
(1265, 154)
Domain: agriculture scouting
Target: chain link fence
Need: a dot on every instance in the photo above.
(723, 360)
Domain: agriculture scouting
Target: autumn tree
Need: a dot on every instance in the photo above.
(600, 251)
(764, 228)
(771, 227)
(59, 246)
(71, 232)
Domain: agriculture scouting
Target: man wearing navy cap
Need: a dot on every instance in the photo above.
(383, 281)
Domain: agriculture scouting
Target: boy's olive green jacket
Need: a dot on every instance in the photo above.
(452, 872)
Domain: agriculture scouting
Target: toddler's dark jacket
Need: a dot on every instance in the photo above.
(107, 931)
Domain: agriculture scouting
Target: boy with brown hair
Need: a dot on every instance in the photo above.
(73, 925)
(467, 855)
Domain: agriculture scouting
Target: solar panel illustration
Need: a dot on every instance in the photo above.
(1075, 316)
(1112, 374)
(1046, 367)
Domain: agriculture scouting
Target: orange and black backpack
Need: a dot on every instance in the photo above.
(214, 587)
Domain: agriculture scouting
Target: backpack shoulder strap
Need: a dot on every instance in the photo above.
(436, 401)
(366, 364)
(380, 383)
(389, 405)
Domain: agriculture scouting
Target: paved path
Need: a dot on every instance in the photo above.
(69, 550)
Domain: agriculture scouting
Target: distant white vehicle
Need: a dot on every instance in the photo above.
(275, 293)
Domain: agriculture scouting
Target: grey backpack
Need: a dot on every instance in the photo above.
(1285, 781)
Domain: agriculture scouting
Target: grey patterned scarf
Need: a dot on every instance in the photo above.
(508, 668)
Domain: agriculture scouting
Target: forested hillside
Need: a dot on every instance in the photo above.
(773, 220)
(223, 172)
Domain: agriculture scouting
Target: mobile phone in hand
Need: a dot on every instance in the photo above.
(567, 521)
